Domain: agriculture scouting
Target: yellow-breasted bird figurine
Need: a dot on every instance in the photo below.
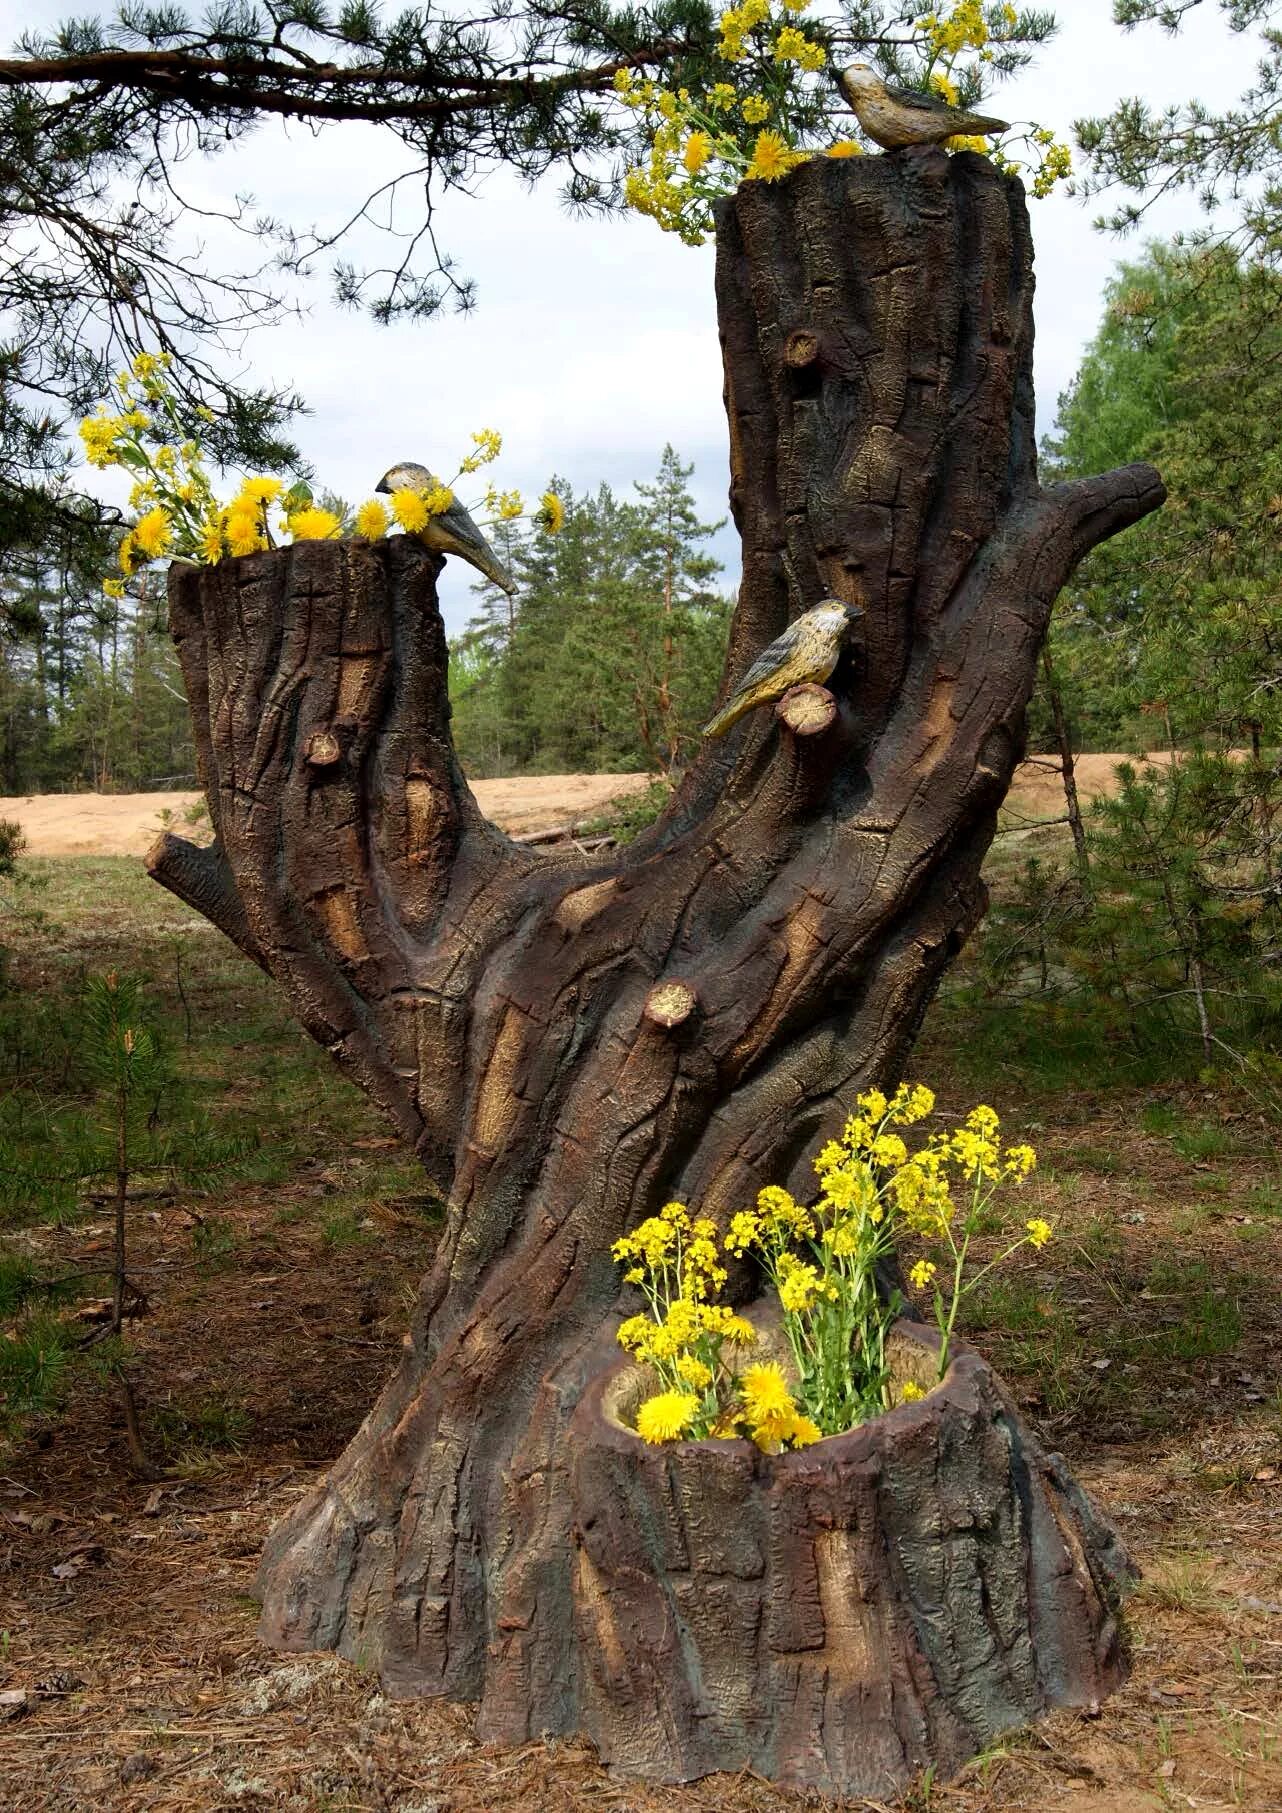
(808, 649)
(453, 531)
(894, 117)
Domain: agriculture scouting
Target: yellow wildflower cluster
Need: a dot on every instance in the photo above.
(176, 512)
(703, 144)
(823, 1260)
(769, 112)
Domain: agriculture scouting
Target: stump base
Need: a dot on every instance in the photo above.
(842, 1617)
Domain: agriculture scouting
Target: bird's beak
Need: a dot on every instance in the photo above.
(854, 612)
(383, 485)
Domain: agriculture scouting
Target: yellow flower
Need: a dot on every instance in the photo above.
(667, 104)
(945, 88)
(410, 511)
(489, 443)
(99, 434)
(910, 1392)
(755, 110)
(813, 57)
(697, 152)
(873, 1104)
(372, 520)
(314, 524)
(889, 1151)
(693, 1371)
(262, 490)
(210, 546)
(797, 1283)
(635, 1332)
(983, 1119)
(1020, 1160)
(921, 1274)
(663, 1418)
(742, 1232)
(765, 1392)
(789, 45)
(127, 555)
(243, 527)
(722, 97)
(623, 80)
(1039, 1231)
(802, 1432)
(845, 147)
(438, 500)
(152, 533)
(114, 588)
(551, 514)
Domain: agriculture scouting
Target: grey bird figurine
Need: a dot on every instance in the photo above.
(808, 649)
(895, 117)
(453, 531)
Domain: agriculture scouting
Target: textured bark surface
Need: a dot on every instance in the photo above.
(841, 1617)
(567, 1047)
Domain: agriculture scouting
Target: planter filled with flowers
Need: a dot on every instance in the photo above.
(813, 1535)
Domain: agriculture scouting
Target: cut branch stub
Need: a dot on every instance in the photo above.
(670, 1003)
(506, 1005)
(807, 710)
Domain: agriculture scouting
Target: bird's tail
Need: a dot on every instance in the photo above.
(728, 716)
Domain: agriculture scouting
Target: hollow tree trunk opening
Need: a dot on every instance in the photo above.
(567, 1047)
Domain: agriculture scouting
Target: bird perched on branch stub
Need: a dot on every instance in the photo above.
(450, 531)
(808, 649)
(895, 117)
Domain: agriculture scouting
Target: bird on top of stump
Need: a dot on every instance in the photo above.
(449, 531)
(894, 117)
(808, 649)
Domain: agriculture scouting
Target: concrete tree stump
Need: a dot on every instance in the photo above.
(566, 1047)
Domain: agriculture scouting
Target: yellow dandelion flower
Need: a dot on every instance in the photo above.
(127, 555)
(262, 490)
(765, 1392)
(664, 1417)
(210, 546)
(410, 510)
(372, 520)
(910, 1392)
(801, 1432)
(114, 588)
(152, 533)
(315, 524)
(845, 147)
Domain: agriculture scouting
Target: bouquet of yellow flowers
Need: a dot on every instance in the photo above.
(177, 514)
(767, 108)
(827, 1263)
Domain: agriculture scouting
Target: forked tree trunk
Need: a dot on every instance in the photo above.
(567, 1047)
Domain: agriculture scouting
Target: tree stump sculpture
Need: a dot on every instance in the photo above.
(565, 1048)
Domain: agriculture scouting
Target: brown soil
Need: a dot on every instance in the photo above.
(126, 824)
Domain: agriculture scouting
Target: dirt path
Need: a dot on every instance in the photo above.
(125, 824)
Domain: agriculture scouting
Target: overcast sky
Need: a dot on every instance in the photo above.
(593, 343)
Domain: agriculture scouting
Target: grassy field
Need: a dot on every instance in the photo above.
(1143, 1342)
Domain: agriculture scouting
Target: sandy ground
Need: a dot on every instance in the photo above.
(125, 824)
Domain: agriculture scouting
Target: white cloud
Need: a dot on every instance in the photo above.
(595, 342)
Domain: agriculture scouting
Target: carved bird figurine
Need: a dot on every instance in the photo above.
(453, 531)
(809, 649)
(894, 117)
